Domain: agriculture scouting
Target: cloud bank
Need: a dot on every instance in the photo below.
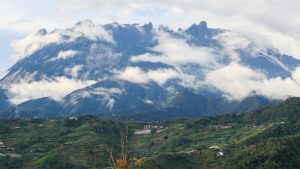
(42, 38)
(136, 75)
(237, 82)
(55, 88)
(177, 52)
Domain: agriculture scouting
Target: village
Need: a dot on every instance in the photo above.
(8, 151)
(156, 129)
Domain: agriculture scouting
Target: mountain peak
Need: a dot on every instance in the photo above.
(84, 22)
(41, 32)
(148, 26)
(202, 25)
(198, 29)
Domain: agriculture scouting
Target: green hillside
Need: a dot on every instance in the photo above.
(265, 138)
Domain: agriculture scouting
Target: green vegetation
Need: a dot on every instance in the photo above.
(265, 138)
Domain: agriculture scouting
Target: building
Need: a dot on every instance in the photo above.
(214, 147)
(1, 144)
(194, 152)
(220, 153)
(73, 118)
(149, 127)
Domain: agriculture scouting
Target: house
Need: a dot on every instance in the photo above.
(149, 127)
(220, 153)
(1, 144)
(13, 155)
(214, 147)
(194, 152)
(73, 118)
(221, 126)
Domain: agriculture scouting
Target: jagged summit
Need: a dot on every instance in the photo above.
(198, 29)
(85, 22)
(41, 32)
(148, 26)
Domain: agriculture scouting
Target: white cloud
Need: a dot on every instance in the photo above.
(296, 75)
(107, 95)
(238, 82)
(136, 75)
(177, 52)
(235, 80)
(36, 41)
(110, 103)
(265, 20)
(73, 71)
(104, 94)
(65, 55)
(2, 74)
(102, 56)
(88, 29)
(56, 88)
(33, 42)
(106, 91)
(232, 42)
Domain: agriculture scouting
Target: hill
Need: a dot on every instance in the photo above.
(264, 138)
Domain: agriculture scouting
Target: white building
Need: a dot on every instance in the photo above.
(220, 153)
(214, 147)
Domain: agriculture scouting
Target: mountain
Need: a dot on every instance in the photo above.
(133, 70)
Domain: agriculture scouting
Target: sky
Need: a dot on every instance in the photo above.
(275, 22)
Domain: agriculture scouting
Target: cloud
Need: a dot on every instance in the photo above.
(73, 71)
(102, 56)
(3, 74)
(232, 42)
(55, 88)
(178, 52)
(105, 94)
(88, 29)
(136, 75)
(238, 81)
(65, 55)
(36, 41)
(33, 42)
(266, 19)
(265, 22)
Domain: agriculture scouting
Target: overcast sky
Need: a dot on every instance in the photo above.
(276, 22)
